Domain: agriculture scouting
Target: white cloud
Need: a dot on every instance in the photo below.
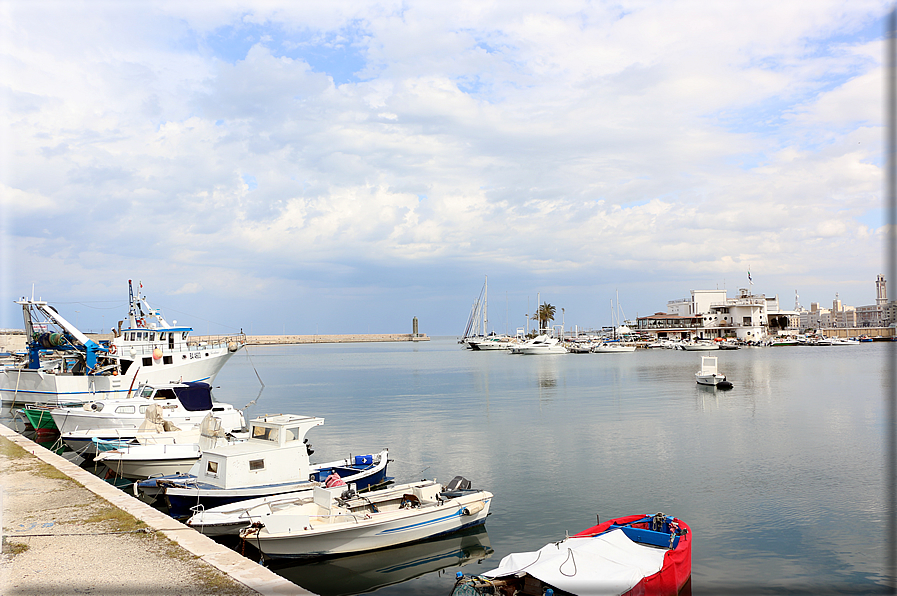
(555, 142)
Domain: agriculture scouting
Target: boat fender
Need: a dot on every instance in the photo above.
(473, 508)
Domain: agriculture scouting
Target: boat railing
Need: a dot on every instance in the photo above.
(195, 344)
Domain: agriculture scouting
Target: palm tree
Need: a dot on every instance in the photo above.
(544, 314)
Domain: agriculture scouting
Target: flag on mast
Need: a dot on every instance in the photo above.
(749, 277)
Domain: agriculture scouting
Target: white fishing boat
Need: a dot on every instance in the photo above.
(334, 521)
(63, 365)
(160, 454)
(709, 375)
(274, 460)
(183, 405)
(541, 344)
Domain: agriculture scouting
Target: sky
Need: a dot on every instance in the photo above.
(342, 167)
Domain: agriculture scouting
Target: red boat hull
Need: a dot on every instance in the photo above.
(676, 569)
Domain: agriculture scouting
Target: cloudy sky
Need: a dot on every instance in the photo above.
(340, 167)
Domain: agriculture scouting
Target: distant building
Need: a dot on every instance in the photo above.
(708, 314)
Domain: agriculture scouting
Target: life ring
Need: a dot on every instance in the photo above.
(141, 323)
(113, 349)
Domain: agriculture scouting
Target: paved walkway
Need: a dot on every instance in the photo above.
(66, 531)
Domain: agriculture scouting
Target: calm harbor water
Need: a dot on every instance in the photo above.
(781, 478)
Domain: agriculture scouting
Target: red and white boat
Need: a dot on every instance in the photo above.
(636, 555)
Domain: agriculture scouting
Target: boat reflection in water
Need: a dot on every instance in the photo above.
(358, 574)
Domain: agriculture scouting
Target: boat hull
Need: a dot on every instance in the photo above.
(22, 386)
(183, 493)
(635, 555)
(381, 530)
(143, 461)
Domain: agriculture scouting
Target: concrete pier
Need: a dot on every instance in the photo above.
(267, 340)
(66, 531)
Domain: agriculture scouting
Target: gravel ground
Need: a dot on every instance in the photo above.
(59, 539)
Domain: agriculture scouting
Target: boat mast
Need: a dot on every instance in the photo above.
(485, 305)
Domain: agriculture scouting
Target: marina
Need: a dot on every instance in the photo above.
(759, 472)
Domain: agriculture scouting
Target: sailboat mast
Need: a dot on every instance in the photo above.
(485, 305)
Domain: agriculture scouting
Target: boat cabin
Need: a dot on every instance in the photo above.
(274, 453)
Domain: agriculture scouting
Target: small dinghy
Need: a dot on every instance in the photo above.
(644, 555)
(334, 521)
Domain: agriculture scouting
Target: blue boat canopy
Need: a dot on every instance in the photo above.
(195, 396)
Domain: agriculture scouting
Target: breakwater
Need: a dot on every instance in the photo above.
(15, 342)
(266, 340)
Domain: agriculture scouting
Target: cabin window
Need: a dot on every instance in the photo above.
(148, 361)
(184, 335)
(265, 434)
(212, 468)
(125, 410)
(146, 392)
(143, 409)
(133, 336)
(162, 336)
(152, 336)
(165, 394)
(292, 434)
(256, 464)
(166, 360)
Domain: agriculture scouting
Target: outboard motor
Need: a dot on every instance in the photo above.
(456, 487)
(458, 483)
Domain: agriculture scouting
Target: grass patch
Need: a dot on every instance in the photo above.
(11, 450)
(121, 521)
(14, 548)
(214, 580)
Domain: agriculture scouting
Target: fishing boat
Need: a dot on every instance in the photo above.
(180, 405)
(39, 417)
(334, 521)
(709, 375)
(273, 460)
(64, 365)
(645, 555)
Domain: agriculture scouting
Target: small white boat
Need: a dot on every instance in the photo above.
(183, 405)
(143, 457)
(541, 344)
(334, 521)
(230, 518)
(700, 345)
(708, 375)
(273, 460)
(612, 347)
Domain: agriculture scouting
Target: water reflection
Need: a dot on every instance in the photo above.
(358, 574)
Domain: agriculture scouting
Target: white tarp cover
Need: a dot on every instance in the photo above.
(609, 564)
